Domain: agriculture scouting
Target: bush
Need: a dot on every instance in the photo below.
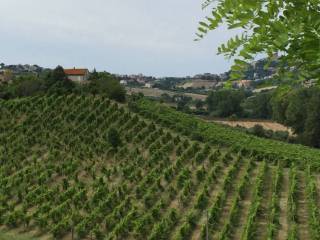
(114, 138)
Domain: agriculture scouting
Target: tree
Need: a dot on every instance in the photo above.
(258, 130)
(114, 138)
(105, 83)
(225, 102)
(25, 86)
(312, 123)
(288, 28)
(94, 75)
(182, 102)
(58, 82)
(299, 109)
(259, 106)
(199, 104)
(296, 111)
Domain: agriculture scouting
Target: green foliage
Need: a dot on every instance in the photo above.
(224, 103)
(289, 28)
(114, 138)
(70, 180)
(299, 109)
(106, 84)
(218, 134)
(258, 106)
(56, 82)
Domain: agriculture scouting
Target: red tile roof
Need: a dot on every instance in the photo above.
(77, 72)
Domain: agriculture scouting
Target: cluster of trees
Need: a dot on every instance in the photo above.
(239, 103)
(224, 103)
(56, 81)
(297, 108)
(259, 131)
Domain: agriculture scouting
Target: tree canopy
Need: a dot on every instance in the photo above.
(287, 28)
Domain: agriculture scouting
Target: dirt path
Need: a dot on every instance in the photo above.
(302, 207)
(263, 217)
(283, 202)
(244, 206)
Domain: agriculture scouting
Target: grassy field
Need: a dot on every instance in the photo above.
(269, 125)
(154, 92)
(10, 235)
(60, 176)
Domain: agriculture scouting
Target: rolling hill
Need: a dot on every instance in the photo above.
(172, 177)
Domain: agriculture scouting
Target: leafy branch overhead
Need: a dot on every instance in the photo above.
(286, 28)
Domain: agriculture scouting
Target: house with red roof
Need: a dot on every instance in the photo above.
(77, 74)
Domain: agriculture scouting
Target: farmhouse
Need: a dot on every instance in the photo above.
(77, 74)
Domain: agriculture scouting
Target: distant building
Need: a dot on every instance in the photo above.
(77, 75)
(123, 82)
(310, 83)
(244, 84)
(148, 85)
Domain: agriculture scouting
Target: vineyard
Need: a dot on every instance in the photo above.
(61, 179)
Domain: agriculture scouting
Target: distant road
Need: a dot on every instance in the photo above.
(155, 92)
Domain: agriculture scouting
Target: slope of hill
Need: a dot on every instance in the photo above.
(59, 177)
(217, 134)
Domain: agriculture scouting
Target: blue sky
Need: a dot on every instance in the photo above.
(154, 37)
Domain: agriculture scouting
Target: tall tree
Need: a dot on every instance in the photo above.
(311, 135)
(105, 83)
(57, 81)
(285, 27)
(226, 102)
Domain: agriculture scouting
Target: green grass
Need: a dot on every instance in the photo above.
(7, 235)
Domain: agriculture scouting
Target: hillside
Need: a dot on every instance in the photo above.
(60, 178)
(216, 134)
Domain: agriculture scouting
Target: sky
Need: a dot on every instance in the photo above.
(153, 37)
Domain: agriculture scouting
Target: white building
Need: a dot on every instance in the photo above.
(123, 82)
(148, 85)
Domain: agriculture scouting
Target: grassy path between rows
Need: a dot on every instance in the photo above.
(263, 217)
(230, 196)
(245, 205)
(13, 235)
(303, 225)
(283, 218)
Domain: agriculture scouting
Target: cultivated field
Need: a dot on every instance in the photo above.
(154, 92)
(60, 176)
(198, 84)
(269, 125)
